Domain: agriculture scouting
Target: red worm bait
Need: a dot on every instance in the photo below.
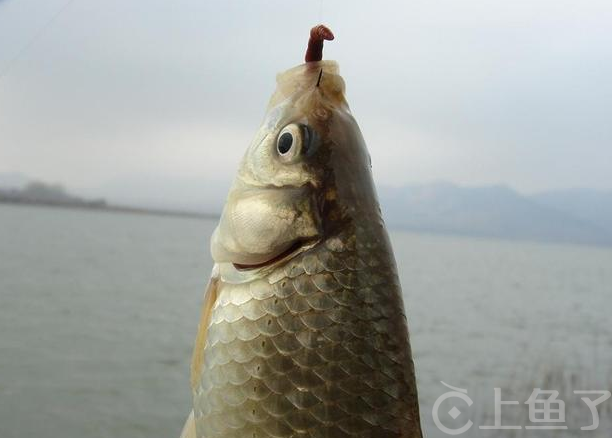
(318, 34)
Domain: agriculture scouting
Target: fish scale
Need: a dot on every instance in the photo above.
(314, 350)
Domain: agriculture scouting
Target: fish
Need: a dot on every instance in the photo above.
(303, 331)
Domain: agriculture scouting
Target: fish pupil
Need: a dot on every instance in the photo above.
(285, 141)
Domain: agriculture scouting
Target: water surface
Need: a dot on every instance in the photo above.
(99, 312)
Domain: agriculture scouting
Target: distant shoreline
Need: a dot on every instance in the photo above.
(103, 207)
(112, 208)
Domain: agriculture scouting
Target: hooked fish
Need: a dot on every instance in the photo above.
(303, 331)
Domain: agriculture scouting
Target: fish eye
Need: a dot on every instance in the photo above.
(292, 140)
(285, 141)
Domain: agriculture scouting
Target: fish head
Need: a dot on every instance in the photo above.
(306, 173)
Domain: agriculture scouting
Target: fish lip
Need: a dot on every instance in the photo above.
(297, 248)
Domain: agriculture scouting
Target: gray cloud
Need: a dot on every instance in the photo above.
(475, 92)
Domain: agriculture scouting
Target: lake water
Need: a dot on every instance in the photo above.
(99, 311)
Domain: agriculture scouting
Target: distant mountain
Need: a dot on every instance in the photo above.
(494, 211)
(574, 216)
(36, 192)
(593, 206)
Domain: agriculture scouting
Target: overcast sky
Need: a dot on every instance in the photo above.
(157, 100)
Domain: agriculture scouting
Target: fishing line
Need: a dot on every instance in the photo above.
(35, 37)
(320, 11)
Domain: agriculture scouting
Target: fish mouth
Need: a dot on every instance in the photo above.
(298, 247)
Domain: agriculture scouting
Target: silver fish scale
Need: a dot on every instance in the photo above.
(318, 349)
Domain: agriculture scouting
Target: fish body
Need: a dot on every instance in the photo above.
(303, 330)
